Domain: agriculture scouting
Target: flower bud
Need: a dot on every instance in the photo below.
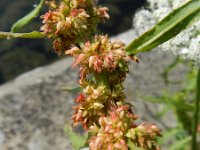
(102, 11)
(122, 113)
(84, 113)
(116, 45)
(149, 144)
(141, 128)
(91, 60)
(84, 26)
(80, 98)
(79, 59)
(74, 50)
(120, 52)
(98, 105)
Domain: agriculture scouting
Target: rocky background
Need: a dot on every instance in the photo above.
(34, 109)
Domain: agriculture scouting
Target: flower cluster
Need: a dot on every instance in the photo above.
(144, 135)
(103, 65)
(90, 106)
(100, 57)
(118, 127)
(70, 21)
(101, 107)
(111, 134)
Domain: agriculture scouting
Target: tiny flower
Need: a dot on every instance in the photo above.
(88, 89)
(80, 98)
(102, 12)
(73, 51)
(79, 59)
(98, 105)
(91, 60)
(98, 65)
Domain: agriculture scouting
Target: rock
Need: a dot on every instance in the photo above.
(34, 109)
(2, 137)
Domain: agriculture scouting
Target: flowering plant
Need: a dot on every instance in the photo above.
(103, 64)
(101, 107)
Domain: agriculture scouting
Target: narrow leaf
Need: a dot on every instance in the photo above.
(30, 35)
(77, 140)
(132, 146)
(170, 68)
(163, 111)
(26, 19)
(180, 144)
(167, 28)
(72, 89)
(151, 98)
(168, 135)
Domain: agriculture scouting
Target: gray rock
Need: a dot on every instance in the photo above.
(2, 138)
(34, 109)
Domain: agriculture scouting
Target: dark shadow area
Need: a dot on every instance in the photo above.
(121, 14)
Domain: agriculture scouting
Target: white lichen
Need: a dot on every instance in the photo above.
(185, 44)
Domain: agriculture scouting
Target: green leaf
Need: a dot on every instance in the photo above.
(72, 89)
(151, 99)
(180, 144)
(163, 111)
(31, 35)
(77, 140)
(168, 135)
(167, 28)
(26, 19)
(170, 68)
(132, 146)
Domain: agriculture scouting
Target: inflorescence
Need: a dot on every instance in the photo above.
(103, 65)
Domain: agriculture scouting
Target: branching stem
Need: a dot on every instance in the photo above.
(196, 114)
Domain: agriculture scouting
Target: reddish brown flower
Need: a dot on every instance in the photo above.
(80, 98)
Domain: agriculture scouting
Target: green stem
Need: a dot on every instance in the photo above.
(30, 35)
(88, 137)
(102, 79)
(196, 113)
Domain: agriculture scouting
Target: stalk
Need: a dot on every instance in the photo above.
(196, 113)
(102, 79)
